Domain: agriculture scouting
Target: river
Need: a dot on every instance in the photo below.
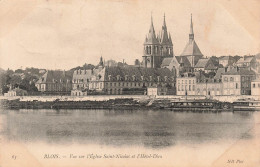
(186, 135)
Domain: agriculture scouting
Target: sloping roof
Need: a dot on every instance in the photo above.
(239, 72)
(202, 63)
(166, 61)
(191, 49)
(246, 59)
(55, 76)
(184, 60)
(137, 72)
(211, 66)
(225, 58)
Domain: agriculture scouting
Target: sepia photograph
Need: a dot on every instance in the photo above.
(134, 83)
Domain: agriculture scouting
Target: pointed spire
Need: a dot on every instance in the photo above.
(151, 27)
(191, 25)
(151, 38)
(191, 35)
(164, 22)
(164, 33)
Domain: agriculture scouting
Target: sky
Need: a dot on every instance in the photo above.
(62, 34)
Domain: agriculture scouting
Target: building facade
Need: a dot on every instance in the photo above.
(55, 83)
(237, 82)
(209, 87)
(136, 80)
(186, 85)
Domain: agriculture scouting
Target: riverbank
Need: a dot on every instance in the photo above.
(173, 103)
(230, 99)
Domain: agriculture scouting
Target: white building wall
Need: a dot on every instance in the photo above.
(185, 86)
(255, 88)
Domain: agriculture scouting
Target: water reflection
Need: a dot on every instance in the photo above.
(157, 129)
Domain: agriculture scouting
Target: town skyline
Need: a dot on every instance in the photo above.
(64, 42)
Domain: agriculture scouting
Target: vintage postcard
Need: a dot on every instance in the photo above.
(135, 83)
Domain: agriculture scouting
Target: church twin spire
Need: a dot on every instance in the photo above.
(151, 37)
(163, 37)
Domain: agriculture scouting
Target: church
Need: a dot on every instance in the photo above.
(157, 47)
(158, 51)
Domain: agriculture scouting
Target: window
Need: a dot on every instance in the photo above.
(258, 85)
(182, 87)
(253, 85)
(189, 87)
(243, 79)
(231, 79)
(225, 79)
(179, 87)
(189, 81)
(185, 81)
(114, 84)
(236, 85)
(193, 87)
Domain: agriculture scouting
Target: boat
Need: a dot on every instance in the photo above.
(246, 105)
(199, 105)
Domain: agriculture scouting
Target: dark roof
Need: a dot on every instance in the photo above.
(55, 76)
(184, 60)
(137, 73)
(202, 63)
(166, 61)
(211, 66)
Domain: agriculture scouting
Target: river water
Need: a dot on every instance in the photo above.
(146, 131)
